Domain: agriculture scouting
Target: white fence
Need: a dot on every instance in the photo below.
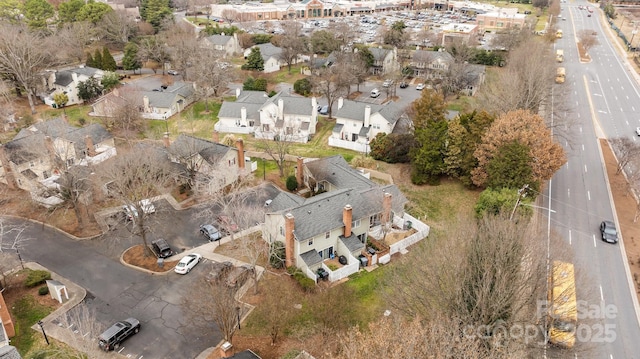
(422, 232)
(232, 129)
(354, 146)
(352, 267)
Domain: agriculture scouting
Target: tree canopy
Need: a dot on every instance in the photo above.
(528, 130)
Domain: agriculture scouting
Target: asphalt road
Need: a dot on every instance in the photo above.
(600, 102)
(115, 292)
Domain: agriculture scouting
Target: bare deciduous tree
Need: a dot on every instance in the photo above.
(75, 191)
(291, 43)
(524, 83)
(12, 239)
(277, 149)
(23, 57)
(136, 175)
(153, 48)
(117, 28)
(627, 150)
(330, 83)
(73, 38)
(587, 39)
(230, 15)
(210, 75)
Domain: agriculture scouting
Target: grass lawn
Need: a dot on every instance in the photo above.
(76, 114)
(27, 312)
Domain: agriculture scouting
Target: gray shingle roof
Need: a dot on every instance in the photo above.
(53, 128)
(252, 97)
(337, 171)
(63, 78)
(234, 110)
(352, 243)
(284, 200)
(311, 257)
(218, 39)
(9, 352)
(167, 97)
(293, 105)
(245, 354)
(378, 53)
(86, 70)
(364, 131)
(354, 110)
(338, 128)
(269, 50)
(430, 56)
(186, 146)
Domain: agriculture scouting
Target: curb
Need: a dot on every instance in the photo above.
(123, 262)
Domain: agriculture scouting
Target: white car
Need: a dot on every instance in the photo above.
(173, 72)
(420, 87)
(638, 131)
(375, 93)
(187, 263)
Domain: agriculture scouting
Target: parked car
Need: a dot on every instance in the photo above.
(387, 83)
(131, 213)
(404, 85)
(324, 110)
(187, 263)
(210, 232)
(375, 93)
(161, 248)
(420, 87)
(173, 72)
(609, 232)
(638, 131)
(111, 338)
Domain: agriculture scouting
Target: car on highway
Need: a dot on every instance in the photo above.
(609, 232)
(420, 87)
(111, 338)
(161, 248)
(210, 232)
(187, 263)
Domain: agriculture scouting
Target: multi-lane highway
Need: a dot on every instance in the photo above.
(600, 100)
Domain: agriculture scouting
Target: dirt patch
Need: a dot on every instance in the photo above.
(136, 256)
(584, 56)
(625, 206)
(394, 237)
(16, 290)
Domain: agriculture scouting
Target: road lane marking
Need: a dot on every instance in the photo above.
(568, 192)
(569, 237)
(601, 294)
(627, 122)
(585, 168)
(594, 240)
(583, 147)
(121, 349)
(589, 195)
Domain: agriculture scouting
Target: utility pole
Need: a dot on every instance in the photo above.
(521, 193)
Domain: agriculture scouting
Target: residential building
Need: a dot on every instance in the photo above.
(36, 157)
(272, 57)
(501, 19)
(291, 117)
(357, 123)
(227, 45)
(66, 81)
(347, 209)
(384, 60)
(7, 329)
(157, 104)
(208, 165)
(430, 64)
(475, 76)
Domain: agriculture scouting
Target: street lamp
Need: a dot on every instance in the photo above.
(43, 333)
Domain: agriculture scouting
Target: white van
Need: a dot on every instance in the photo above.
(130, 212)
(375, 93)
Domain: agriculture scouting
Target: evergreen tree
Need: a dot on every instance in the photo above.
(90, 61)
(68, 10)
(89, 89)
(37, 12)
(130, 60)
(155, 12)
(108, 62)
(254, 60)
(97, 59)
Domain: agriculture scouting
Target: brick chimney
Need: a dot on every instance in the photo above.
(289, 239)
(215, 136)
(240, 147)
(386, 208)
(165, 139)
(8, 170)
(238, 91)
(299, 172)
(347, 218)
(88, 141)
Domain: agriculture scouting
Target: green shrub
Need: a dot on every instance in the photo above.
(37, 277)
(364, 162)
(43, 290)
(302, 87)
(292, 183)
(307, 284)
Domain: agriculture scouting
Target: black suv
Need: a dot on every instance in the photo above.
(161, 248)
(118, 333)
